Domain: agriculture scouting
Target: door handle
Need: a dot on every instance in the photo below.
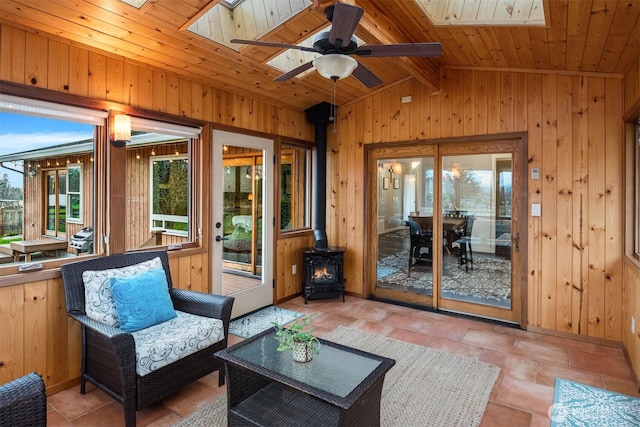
(220, 238)
(516, 241)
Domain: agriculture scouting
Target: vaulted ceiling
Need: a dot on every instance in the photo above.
(599, 36)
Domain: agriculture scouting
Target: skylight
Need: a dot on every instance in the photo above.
(484, 12)
(245, 19)
(135, 3)
(230, 3)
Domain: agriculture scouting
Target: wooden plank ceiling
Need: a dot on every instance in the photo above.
(600, 36)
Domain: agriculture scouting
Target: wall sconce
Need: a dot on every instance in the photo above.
(248, 173)
(455, 170)
(121, 130)
(250, 197)
(137, 155)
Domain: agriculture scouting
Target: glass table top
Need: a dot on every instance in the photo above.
(334, 370)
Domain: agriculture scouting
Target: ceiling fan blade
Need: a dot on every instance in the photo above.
(401, 49)
(366, 76)
(272, 44)
(343, 23)
(290, 74)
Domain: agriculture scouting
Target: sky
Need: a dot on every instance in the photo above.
(23, 133)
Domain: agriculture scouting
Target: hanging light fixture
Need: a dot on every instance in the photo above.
(137, 155)
(335, 66)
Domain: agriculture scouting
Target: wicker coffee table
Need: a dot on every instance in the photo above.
(341, 386)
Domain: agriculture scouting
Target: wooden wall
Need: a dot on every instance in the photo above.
(38, 336)
(36, 333)
(575, 137)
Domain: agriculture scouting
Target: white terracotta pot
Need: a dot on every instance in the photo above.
(302, 353)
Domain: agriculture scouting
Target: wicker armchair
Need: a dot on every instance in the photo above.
(109, 354)
(23, 402)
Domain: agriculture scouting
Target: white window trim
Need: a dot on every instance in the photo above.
(79, 193)
(33, 107)
(153, 126)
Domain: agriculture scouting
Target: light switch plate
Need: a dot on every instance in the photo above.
(535, 173)
(535, 209)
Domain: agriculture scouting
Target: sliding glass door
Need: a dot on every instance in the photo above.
(446, 231)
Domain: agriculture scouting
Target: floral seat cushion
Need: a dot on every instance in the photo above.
(162, 344)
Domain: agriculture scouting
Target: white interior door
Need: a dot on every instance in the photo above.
(242, 218)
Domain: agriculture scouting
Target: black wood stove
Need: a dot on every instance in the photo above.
(323, 265)
(323, 273)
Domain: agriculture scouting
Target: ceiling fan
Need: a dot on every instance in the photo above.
(336, 45)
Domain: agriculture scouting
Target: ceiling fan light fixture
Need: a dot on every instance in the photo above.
(335, 66)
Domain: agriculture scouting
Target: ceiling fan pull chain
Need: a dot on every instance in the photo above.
(333, 105)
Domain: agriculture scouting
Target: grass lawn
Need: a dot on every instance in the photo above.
(9, 239)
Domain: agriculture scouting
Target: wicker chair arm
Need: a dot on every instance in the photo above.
(23, 402)
(101, 328)
(201, 304)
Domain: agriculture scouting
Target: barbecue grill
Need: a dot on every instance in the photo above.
(82, 241)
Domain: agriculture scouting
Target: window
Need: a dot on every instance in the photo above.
(160, 184)
(74, 193)
(46, 165)
(170, 195)
(294, 187)
(632, 189)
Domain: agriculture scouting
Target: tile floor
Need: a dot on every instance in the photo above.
(521, 397)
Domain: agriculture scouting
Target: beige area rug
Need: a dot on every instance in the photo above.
(425, 387)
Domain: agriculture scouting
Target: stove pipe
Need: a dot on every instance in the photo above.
(320, 115)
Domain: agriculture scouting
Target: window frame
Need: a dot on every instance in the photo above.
(79, 193)
(307, 186)
(18, 99)
(632, 186)
(636, 190)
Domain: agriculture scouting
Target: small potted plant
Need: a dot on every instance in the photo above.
(298, 337)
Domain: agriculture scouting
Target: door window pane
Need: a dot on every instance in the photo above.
(242, 212)
(476, 222)
(405, 225)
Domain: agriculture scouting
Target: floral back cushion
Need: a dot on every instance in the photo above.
(99, 303)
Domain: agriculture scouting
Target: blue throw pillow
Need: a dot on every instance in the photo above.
(142, 300)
